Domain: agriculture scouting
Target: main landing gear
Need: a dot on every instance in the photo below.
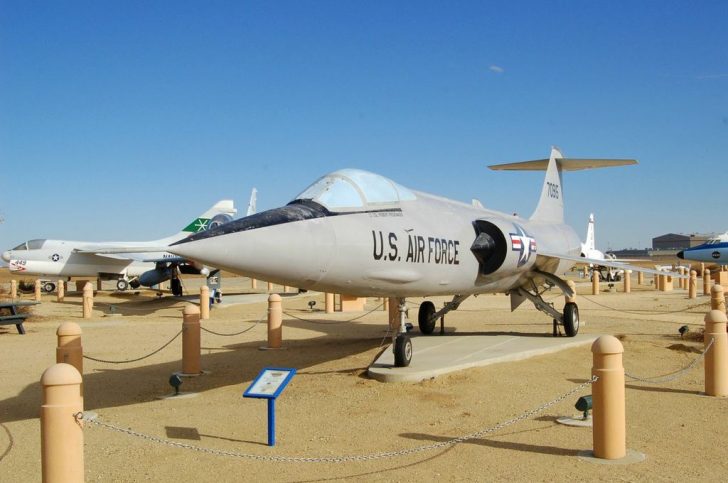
(426, 319)
(427, 316)
(569, 319)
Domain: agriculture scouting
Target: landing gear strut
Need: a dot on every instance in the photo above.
(569, 319)
(401, 343)
(427, 316)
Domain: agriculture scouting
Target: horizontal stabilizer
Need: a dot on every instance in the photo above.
(566, 164)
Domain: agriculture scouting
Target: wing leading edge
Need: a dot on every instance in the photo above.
(611, 263)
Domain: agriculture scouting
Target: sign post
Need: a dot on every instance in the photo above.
(269, 384)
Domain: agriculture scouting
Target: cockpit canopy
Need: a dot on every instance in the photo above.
(31, 245)
(720, 239)
(355, 190)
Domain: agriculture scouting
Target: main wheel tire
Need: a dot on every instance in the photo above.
(425, 318)
(402, 350)
(571, 319)
(176, 285)
(122, 285)
(49, 287)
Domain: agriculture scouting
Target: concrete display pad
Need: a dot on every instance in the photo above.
(436, 355)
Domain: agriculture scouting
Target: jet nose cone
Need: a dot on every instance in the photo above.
(681, 255)
(6, 256)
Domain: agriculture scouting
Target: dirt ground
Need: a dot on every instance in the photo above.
(332, 409)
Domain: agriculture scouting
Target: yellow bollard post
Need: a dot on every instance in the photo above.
(640, 278)
(595, 282)
(668, 283)
(204, 302)
(253, 284)
(285, 288)
(608, 407)
(270, 287)
(627, 281)
(717, 298)
(69, 349)
(61, 436)
(60, 291)
(693, 286)
(385, 304)
(275, 321)
(706, 282)
(88, 300)
(329, 302)
(572, 286)
(394, 314)
(716, 359)
(683, 281)
(13, 289)
(37, 291)
(702, 268)
(191, 341)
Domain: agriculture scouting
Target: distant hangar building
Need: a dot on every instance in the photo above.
(679, 241)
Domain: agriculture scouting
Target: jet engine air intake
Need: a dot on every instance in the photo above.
(489, 247)
(501, 244)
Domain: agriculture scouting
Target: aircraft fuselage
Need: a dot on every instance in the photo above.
(395, 252)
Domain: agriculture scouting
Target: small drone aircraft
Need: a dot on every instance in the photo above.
(360, 233)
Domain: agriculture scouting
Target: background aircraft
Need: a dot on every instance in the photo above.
(712, 251)
(589, 250)
(148, 264)
(360, 233)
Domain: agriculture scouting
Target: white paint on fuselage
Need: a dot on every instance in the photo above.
(59, 258)
(341, 253)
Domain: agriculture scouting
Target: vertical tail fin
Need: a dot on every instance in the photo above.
(253, 201)
(589, 242)
(221, 212)
(550, 206)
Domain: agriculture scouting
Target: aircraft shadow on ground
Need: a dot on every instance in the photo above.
(113, 385)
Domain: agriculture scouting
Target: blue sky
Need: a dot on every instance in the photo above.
(124, 120)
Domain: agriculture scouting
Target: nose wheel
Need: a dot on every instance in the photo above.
(402, 350)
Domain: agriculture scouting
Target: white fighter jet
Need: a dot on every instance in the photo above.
(359, 233)
(147, 263)
(589, 250)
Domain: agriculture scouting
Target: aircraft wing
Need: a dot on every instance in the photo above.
(106, 250)
(610, 263)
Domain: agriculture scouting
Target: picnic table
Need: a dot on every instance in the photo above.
(11, 315)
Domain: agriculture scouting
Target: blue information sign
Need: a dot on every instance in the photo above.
(269, 384)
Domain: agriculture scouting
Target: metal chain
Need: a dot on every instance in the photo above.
(11, 441)
(113, 307)
(673, 375)
(237, 333)
(339, 459)
(336, 321)
(133, 360)
(645, 312)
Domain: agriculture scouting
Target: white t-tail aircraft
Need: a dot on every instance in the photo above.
(131, 264)
(714, 250)
(360, 233)
(589, 250)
